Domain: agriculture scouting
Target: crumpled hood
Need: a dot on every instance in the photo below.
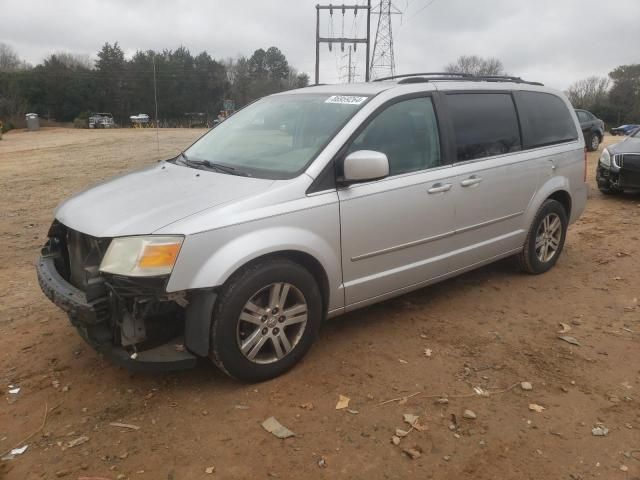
(628, 145)
(142, 202)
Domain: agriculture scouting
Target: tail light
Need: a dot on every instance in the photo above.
(585, 165)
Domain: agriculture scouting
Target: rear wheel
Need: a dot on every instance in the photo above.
(545, 239)
(265, 320)
(594, 142)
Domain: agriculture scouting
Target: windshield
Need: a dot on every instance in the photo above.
(275, 137)
(636, 133)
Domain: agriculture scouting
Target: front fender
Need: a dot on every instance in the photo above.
(208, 259)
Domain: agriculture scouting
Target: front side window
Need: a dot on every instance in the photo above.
(407, 132)
(545, 119)
(276, 137)
(484, 124)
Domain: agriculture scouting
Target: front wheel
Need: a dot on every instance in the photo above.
(594, 142)
(265, 320)
(545, 239)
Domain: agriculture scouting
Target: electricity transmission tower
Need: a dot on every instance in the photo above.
(383, 62)
(350, 67)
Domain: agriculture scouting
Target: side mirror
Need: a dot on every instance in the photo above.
(365, 165)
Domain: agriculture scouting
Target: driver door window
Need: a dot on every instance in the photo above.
(407, 132)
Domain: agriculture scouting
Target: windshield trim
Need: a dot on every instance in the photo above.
(270, 174)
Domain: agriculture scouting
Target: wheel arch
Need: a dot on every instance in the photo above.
(213, 272)
(555, 188)
(564, 198)
(304, 259)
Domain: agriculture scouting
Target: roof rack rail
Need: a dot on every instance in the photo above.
(427, 74)
(505, 78)
(426, 77)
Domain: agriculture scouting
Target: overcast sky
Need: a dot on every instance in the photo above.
(553, 41)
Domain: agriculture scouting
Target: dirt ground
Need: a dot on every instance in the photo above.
(492, 328)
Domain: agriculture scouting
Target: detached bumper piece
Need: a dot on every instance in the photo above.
(104, 312)
(164, 358)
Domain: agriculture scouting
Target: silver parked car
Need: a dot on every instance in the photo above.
(309, 204)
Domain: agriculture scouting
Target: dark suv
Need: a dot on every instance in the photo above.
(592, 128)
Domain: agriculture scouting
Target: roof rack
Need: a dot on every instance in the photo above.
(428, 74)
(427, 77)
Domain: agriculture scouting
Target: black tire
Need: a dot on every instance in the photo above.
(594, 142)
(528, 259)
(238, 290)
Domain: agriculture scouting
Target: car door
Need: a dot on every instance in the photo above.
(496, 179)
(396, 231)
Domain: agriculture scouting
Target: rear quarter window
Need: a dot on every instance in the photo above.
(545, 119)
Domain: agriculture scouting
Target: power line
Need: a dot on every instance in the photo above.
(431, 2)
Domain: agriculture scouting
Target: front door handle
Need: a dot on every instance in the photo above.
(439, 188)
(472, 180)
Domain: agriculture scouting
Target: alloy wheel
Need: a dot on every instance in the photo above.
(548, 237)
(272, 323)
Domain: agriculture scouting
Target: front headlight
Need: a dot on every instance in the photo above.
(605, 158)
(141, 256)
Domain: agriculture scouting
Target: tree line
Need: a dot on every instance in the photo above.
(615, 99)
(64, 86)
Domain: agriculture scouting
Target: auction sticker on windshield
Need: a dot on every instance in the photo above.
(348, 99)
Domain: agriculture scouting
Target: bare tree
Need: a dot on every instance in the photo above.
(231, 68)
(476, 65)
(297, 79)
(74, 60)
(9, 61)
(588, 92)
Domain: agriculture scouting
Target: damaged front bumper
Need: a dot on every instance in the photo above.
(133, 323)
(623, 173)
(92, 320)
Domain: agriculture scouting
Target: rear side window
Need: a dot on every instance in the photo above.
(485, 124)
(545, 119)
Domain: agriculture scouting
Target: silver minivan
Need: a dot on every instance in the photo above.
(309, 204)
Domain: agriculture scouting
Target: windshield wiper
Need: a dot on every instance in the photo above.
(213, 166)
(182, 158)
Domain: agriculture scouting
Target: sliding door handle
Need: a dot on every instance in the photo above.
(472, 180)
(439, 188)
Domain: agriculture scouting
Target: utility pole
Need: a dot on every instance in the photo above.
(342, 40)
(367, 75)
(383, 60)
(155, 100)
